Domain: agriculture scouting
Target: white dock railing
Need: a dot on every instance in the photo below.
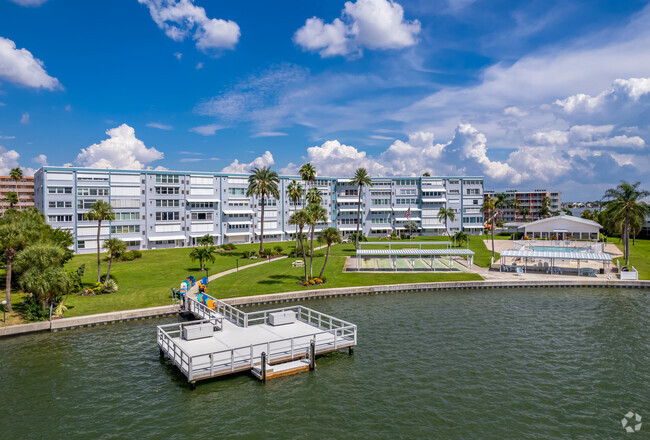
(330, 334)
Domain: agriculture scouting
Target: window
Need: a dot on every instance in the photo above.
(454, 192)
(351, 192)
(432, 194)
(201, 216)
(238, 203)
(473, 182)
(380, 202)
(60, 218)
(473, 191)
(268, 202)
(59, 190)
(203, 205)
(237, 191)
(165, 203)
(125, 229)
(92, 191)
(472, 220)
(375, 193)
(380, 221)
(132, 243)
(81, 245)
(348, 221)
(126, 203)
(406, 201)
(237, 181)
(405, 182)
(238, 226)
(376, 183)
(321, 182)
(167, 216)
(247, 216)
(408, 192)
(91, 178)
(166, 178)
(60, 204)
(167, 190)
(126, 216)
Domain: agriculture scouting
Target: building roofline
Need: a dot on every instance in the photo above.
(222, 174)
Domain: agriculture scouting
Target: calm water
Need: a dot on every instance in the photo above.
(533, 363)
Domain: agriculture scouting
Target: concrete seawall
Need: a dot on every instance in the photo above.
(89, 320)
(129, 315)
(422, 287)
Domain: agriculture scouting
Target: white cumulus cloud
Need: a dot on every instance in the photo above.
(181, 19)
(236, 167)
(21, 67)
(41, 159)
(121, 150)
(371, 24)
(206, 130)
(159, 126)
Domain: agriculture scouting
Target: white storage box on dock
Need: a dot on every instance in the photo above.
(281, 318)
(198, 331)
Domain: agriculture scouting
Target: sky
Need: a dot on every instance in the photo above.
(530, 94)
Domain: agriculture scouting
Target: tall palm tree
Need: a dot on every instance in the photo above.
(16, 175)
(315, 214)
(446, 215)
(263, 182)
(100, 211)
(300, 219)
(515, 205)
(307, 174)
(361, 178)
(11, 241)
(115, 248)
(490, 212)
(625, 205)
(330, 236)
(41, 272)
(525, 212)
(205, 240)
(314, 195)
(12, 198)
(545, 210)
(295, 193)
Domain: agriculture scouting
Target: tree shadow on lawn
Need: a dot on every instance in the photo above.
(277, 279)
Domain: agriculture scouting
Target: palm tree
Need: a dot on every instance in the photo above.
(295, 193)
(314, 195)
(461, 238)
(203, 254)
(41, 272)
(446, 215)
(545, 210)
(525, 212)
(16, 175)
(624, 206)
(307, 174)
(515, 205)
(100, 211)
(263, 182)
(300, 219)
(206, 240)
(315, 214)
(12, 198)
(489, 210)
(11, 241)
(361, 178)
(330, 236)
(115, 248)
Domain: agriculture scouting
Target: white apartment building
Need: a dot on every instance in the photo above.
(165, 209)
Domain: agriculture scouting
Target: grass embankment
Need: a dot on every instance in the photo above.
(639, 256)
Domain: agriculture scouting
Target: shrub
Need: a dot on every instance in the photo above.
(127, 256)
(229, 247)
(103, 278)
(246, 254)
(137, 253)
(34, 310)
(110, 286)
(267, 252)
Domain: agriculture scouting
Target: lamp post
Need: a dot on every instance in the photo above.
(4, 310)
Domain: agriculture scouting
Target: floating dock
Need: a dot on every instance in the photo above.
(269, 343)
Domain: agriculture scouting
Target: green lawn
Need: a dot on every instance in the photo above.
(639, 256)
(280, 276)
(146, 282)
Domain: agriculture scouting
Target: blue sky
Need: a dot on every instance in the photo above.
(531, 94)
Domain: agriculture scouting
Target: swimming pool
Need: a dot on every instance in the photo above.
(555, 249)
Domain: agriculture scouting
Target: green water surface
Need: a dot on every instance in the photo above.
(488, 364)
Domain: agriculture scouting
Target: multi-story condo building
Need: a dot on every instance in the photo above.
(528, 199)
(162, 209)
(24, 188)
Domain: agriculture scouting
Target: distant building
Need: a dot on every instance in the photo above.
(24, 188)
(165, 209)
(528, 199)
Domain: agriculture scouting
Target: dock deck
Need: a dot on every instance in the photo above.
(240, 338)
